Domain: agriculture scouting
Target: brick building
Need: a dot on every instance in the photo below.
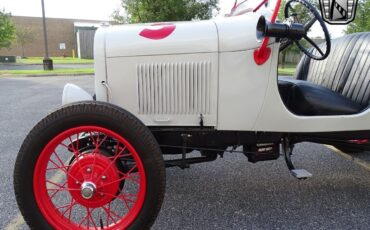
(64, 35)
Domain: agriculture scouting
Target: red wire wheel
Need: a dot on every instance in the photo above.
(90, 184)
(106, 173)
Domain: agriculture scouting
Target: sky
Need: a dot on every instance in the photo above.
(96, 9)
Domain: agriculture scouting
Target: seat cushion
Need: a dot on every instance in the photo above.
(308, 99)
(346, 70)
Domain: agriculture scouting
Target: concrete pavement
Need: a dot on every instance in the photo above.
(229, 193)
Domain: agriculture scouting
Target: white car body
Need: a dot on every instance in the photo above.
(202, 69)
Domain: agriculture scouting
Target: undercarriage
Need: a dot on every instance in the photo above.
(257, 146)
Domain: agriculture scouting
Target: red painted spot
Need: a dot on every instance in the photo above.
(162, 31)
(359, 141)
(261, 55)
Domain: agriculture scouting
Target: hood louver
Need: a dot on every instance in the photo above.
(174, 88)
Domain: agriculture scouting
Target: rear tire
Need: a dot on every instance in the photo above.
(42, 148)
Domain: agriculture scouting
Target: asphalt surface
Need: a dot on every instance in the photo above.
(40, 66)
(229, 193)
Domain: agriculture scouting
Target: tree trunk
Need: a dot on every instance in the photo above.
(283, 59)
(22, 51)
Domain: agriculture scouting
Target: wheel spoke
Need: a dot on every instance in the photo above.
(285, 45)
(57, 190)
(125, 202)
(97, 143)
(123, 198)
(110, 214)
(97, 146)
(83, 220)
(93, 166)
(58, 168)
(63, 168)
(76, 154)
(120, 156)
(314, 45)
(64, 206)
(55, 184)
(90, 218)
(309, 24)
(74, 149)
(114, 160)
(69, 209)
(125, 176)
(63, 189)
(58, 158)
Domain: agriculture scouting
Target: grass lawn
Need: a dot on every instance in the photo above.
(286, 71)
(289, 69)
(56, 60)
(43, 72)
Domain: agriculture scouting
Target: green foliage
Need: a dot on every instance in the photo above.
(24, 36)
(303, 14)
(141, 11)
(362, 20)
(7, 30)
(281, 16)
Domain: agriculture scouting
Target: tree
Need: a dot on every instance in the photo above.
(141, 11)
(7, 30)
(24, 36)
(362, 20)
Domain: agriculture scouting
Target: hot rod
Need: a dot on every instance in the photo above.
(175, 87)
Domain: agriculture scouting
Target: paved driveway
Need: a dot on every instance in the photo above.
(229, 193)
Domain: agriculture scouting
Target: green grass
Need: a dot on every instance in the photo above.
(288, 65)
(43, 72)
(286, 71)
(289, 69)
(56, 60)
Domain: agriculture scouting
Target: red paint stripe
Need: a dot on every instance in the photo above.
(158, 34)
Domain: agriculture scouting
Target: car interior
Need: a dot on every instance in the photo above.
(338, 85)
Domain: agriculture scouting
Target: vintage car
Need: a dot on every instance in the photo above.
(172, 88)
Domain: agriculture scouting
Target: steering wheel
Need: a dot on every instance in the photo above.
(315, 52)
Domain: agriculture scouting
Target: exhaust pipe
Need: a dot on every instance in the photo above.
(295, 31)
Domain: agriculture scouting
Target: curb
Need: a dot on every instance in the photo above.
(47, 75)
(356, 160)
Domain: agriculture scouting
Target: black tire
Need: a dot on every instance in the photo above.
(90, 113)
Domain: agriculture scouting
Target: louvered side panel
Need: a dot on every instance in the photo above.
(174, 88)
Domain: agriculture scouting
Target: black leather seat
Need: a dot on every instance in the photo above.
(307, 99)
(339, 85)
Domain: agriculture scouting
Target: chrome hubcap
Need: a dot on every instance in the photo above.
(87, 190)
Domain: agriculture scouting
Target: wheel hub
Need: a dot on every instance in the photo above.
(87, 190)
(94, 180)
